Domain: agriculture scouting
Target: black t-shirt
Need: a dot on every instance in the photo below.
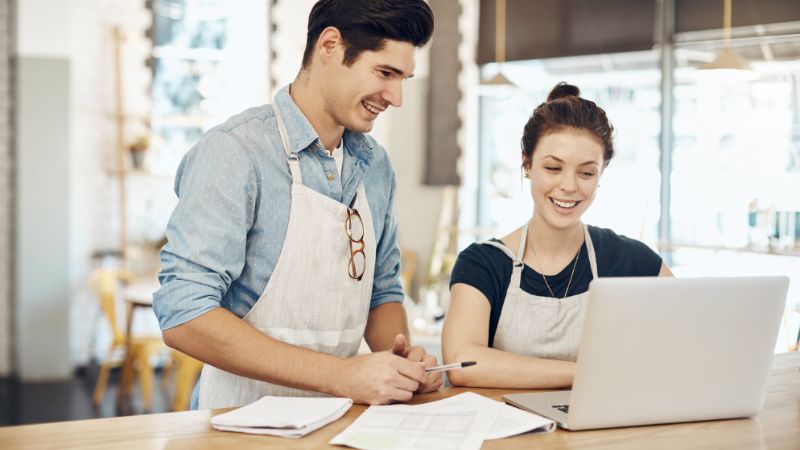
(488, 269)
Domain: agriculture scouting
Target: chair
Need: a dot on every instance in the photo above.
(408, 266)
(187, 369)
(104, 283)
(792, 345)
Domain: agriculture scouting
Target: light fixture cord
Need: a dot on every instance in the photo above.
(500, 31)
(727, 11)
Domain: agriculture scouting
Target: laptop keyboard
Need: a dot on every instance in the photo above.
(562, 408)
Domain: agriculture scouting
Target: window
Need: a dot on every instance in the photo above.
(209, 62)
(627, 87)
(733, 203)
(736, 158)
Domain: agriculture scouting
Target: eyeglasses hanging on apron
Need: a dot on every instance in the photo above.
(354, 228)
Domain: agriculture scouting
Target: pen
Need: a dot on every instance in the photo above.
(452, 366)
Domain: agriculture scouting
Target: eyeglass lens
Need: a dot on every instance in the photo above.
(357, 265)
(355, 227)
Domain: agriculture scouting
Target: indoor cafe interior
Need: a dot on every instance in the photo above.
(100, 100)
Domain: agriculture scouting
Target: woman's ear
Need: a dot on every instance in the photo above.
(526, 167)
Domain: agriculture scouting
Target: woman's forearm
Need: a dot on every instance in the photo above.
(501, 369)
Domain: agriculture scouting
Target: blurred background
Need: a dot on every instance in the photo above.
(100, 100)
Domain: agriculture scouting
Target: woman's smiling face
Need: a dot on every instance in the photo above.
(564, 173)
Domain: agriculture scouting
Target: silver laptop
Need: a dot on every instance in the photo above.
(663, 350)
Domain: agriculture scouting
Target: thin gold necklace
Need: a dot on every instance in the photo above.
(569, 282)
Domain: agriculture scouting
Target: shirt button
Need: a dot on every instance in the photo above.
(331, 177)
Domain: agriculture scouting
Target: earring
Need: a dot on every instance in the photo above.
(527, 175)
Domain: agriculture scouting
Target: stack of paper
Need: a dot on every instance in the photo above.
(283, 416)
(461, 422)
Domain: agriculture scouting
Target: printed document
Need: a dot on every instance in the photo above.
(463, 421)
(510, 421)
(406, 427)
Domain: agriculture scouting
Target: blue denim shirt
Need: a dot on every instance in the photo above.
(227, 231)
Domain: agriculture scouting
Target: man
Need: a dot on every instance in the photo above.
(282, 249)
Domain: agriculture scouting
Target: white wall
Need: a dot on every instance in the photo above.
(6, 187)
(43, 30)
(290, 18)
(66, 176)
(41, 190)
(94, 199)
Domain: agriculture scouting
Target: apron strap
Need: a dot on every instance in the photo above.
(506, 250)
(523, 240)
(292, 157)
(517, 265)
(515, 258)
(590, 251)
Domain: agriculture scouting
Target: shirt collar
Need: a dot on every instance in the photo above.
(302, 135)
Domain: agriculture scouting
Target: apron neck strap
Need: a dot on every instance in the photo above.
(514, 260)
(590, 251)
(523, 240)
(291, 157)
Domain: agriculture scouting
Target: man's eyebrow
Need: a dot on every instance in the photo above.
(395, 70)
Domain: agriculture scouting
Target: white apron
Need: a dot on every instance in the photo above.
(542, 327)
(310, 300)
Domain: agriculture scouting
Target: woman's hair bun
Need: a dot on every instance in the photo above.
(563, 90)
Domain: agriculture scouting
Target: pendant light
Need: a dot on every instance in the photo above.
(498, 79)
(726, 60)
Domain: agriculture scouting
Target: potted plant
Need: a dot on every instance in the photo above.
(138, 148)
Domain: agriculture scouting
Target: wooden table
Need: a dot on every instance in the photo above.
(777, 427)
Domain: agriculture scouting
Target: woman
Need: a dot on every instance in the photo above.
(516, 303)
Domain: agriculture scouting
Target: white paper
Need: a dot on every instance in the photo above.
(283, 416)
(293, 433)
(510, 421)
(406, 427)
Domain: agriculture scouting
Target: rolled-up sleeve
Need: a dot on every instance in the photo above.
(386, 285)
(217, 189)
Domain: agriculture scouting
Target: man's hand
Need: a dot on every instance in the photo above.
(379, 378)
(432, 381)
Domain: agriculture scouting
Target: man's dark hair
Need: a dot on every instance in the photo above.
(365, 25)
